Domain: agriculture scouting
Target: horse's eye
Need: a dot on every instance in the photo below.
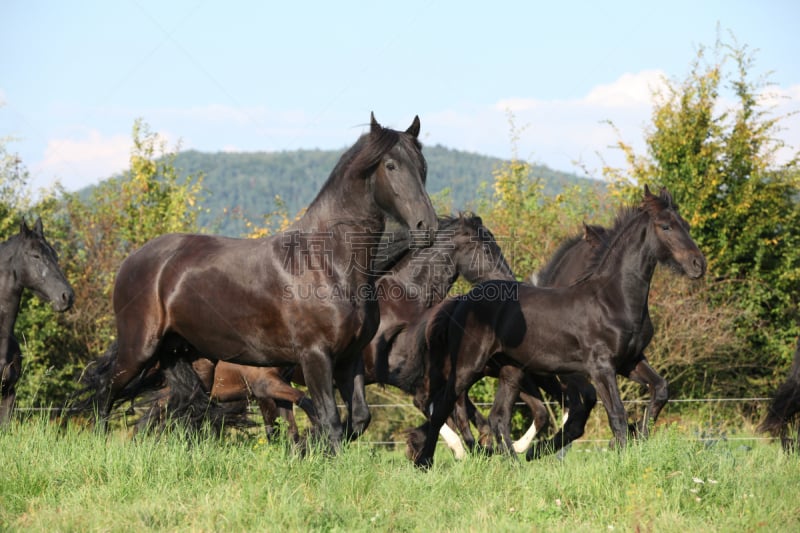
(665, 227)
(390, 165)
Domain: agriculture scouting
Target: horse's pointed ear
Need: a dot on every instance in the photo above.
(374, 127)
(413, 129)
(594, 235)
(647, 193)
(665, 194)
(37, 227)
(23, 227)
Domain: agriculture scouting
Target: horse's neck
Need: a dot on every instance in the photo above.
(630, 263)
(10, 295)
(336, 202)
(431, 272)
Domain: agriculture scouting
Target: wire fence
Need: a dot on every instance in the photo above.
(710, 434)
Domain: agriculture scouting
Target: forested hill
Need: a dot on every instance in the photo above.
(242, 186)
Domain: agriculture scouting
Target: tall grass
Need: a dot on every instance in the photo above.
(74, 479)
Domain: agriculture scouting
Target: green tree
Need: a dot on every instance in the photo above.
(96, 231)
(13, 187)
(720, 163)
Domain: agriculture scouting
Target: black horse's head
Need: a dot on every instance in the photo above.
(398, 179)
(475, 252)
(35, 265)
(672, 243)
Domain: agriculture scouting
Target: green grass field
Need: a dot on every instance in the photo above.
(76, 480)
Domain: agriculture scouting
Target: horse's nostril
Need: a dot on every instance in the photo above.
(68, 298)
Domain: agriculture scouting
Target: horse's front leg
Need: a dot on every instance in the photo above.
(605, 381)
(644, 374)
(7, 406)
(352, 387)
(317, 368)
(9, 375)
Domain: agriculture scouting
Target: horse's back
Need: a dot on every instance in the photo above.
(157, 266)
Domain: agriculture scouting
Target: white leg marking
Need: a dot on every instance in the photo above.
(524, 441)
(453, 442)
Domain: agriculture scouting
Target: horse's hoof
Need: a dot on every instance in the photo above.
(424, 463)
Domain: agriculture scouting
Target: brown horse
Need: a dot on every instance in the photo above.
(27, 261)
(590, 327)
(421, 278)
(304, 296)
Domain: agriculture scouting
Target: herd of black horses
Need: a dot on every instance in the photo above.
(355, 293)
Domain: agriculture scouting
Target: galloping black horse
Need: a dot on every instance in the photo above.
(784, 407)
(590, 327)
(304, 296)
(568, 265)
(578, 397)
(27, 261)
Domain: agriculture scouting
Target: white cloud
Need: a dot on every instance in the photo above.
(76, 162)
(627, 91)
(558, 132)
(563, 132)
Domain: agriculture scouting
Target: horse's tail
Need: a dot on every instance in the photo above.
(93, 384)
(95, 379)
(786, 402)
(186, 402)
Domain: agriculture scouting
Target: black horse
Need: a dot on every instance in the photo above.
(784, 407)
(463, 246)
(574, 392)
(568, 264)
(413, 280)
(395, 356)
(590, 327)
(27, 261)
(304, 296)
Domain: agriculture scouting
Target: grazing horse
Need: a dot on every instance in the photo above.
(784, 407)
(590, 327)
(304, 296)
(27, 261)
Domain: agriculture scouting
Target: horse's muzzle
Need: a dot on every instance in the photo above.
(64, 301)
(697, 267)
(423, 235)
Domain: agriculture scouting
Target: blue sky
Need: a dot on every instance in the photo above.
(247, 76)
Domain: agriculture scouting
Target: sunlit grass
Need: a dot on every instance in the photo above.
(75, 479)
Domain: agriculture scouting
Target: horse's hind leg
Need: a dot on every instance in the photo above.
(267, 386)
(460, 419)
(508, 382)
(127, 359)
(540, 416)
(581, 399)
(481, 423)
(644, 374)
